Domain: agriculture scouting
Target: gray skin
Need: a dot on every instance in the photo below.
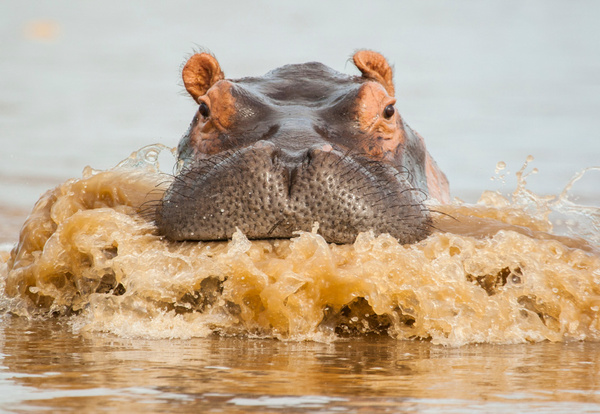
(295, 155)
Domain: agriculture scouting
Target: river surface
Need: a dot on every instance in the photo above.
(48, 368)
(497, 311)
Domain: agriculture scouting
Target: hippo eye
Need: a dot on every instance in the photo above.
(203, 109)
(388, 112)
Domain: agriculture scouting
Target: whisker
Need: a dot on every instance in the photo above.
(444, 214)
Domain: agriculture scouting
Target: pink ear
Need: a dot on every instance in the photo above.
(200, 73)
(375, 67)
(437, 183)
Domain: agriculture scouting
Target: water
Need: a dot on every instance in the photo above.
(505, 301)
(46, 367)
(370, 325)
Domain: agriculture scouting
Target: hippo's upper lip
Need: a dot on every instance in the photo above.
(269, 193)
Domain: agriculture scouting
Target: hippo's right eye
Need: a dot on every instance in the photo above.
(388, 112)
(203, 110)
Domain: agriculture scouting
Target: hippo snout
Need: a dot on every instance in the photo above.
(268, 192)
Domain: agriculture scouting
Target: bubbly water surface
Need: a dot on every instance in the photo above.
(494, 272)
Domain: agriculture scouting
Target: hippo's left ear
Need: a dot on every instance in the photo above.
(374, 66)
(200, 73)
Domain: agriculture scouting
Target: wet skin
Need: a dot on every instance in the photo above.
(303, 144)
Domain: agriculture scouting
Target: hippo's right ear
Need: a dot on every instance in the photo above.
(374, 66)
(200, 73)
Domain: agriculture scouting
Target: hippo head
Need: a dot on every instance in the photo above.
(304, 144)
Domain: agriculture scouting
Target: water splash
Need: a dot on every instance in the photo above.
(497, 271)
(575, 219)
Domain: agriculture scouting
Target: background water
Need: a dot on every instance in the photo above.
(88, 83)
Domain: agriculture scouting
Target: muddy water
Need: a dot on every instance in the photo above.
(497, 310)
(492, 273)
(47, 367)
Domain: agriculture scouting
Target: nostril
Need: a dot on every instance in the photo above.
(318, 149)
(267, 150)
(322, 148)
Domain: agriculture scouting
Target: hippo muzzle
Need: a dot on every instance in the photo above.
(300, 146)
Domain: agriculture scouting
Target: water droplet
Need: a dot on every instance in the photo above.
(151, 156)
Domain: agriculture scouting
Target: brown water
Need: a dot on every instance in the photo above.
(498, 310)
(492, 273)
(49, 368)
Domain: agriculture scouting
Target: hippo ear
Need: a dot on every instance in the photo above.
(200, 73)
(374, 66)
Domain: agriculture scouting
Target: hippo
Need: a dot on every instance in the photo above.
(303, 147)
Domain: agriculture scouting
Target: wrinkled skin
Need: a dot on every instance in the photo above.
(301, 145)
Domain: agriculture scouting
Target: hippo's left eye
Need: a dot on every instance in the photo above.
(203, 109)
(388, 112)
